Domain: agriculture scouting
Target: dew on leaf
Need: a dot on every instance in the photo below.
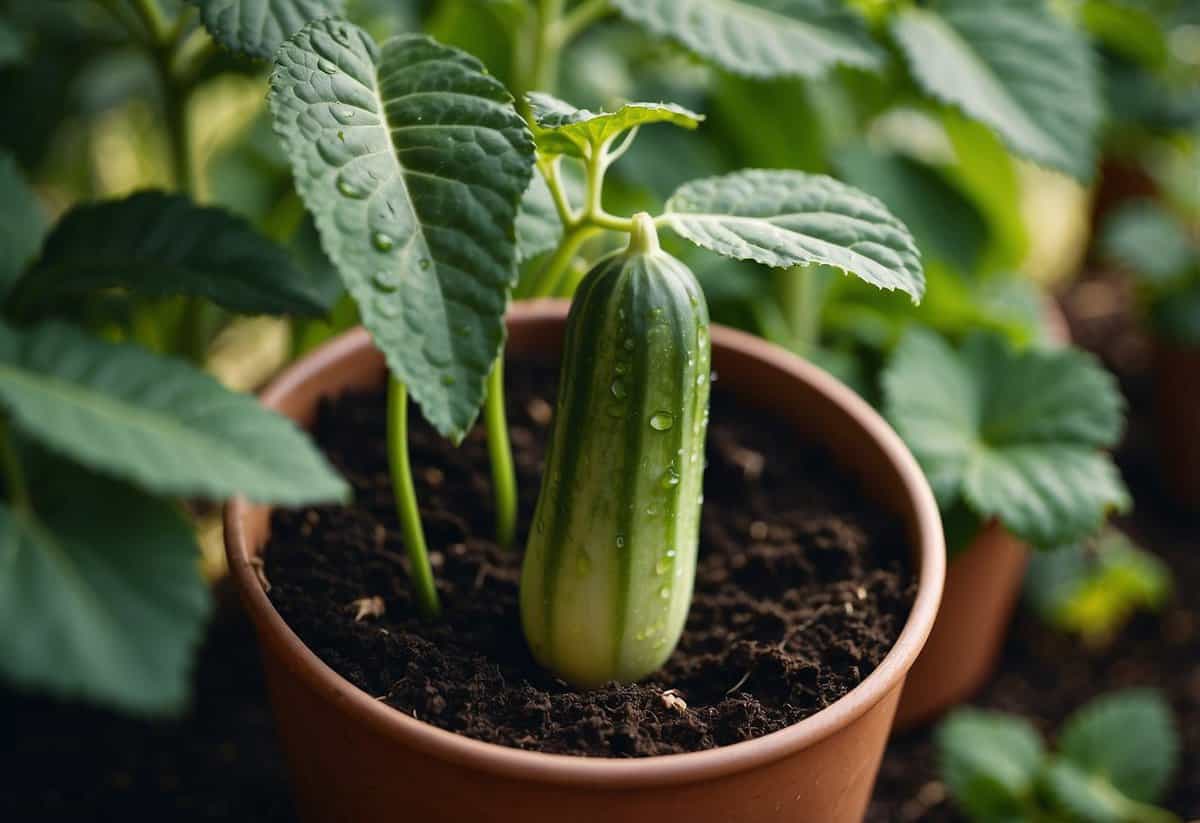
(382, 242)
(661, 421)
(326, 66)
(423, 263)
(618, 389)
(386, 280)
(387, 307)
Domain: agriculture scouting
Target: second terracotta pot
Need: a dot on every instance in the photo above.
(1177, 419)
(353, 758)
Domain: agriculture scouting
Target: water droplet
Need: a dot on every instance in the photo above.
(343, 116)
(448, 380)
(382, 242)
(651, 511)
(618, 389)
(670, 552)
(349, 188)
(342, 36)
(619, 368)
(670, 478)
(423, 263)
(656, 313)
(621, 313)
(700, 380)
(629, 344)
(326, 66)
(386, 280)
(702, 335)
(660, 568)
(387, 307)
(713, 377)
(665, 592)
(620, 541)
(661, 421)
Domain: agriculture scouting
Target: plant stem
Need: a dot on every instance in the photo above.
(799, 291)
(152, 18)
(578, 19)
(551, 272)
(14, 472)
(406, 500)
(543, 74)
(504, 475)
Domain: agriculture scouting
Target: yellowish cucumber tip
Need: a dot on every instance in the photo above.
(644, 237)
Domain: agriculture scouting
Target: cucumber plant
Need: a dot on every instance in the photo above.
(419, 171)
(1114, 760)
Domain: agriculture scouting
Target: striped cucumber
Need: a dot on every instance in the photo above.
(608, 571)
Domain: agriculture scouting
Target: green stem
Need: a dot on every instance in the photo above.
(152, 18)
(406, 500)
(14, 472)
(504, 475)
(798, 291)
(551, 272)
(544, 70)
(580, 18)
(178, 129)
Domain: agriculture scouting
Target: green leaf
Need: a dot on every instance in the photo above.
(22, 223)
(943, 220)
(564, 129)
(538, 224)
(1141, 764)
(1126, 28)
(101, 595)
(990, 762)
(155, 421)
(413, 161)
(1015, 66)
(1150, 240)
(1091, 798)
(788, 218)
(12, 45)
(157, 245)
(259, 27)
(760, 38)
(1017, 435)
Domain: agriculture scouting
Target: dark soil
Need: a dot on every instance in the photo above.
(801, 588)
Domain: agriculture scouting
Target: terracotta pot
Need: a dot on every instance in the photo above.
(353, 758)
(983, 585)
(1177, 418)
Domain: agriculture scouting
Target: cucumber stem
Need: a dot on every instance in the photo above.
(643, 239)
(504, 475)
(406, 500)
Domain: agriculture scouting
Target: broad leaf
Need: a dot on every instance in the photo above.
(1141, 766)
(538, 224)
(259, 27)
(788, 218)
(990, 762)
(155, 421)
(156, 245)
(1017, 435)
(564, 129)
(101, 595)
(412, 160)
(760, 38)
(1150, 240)
(943, 220)
(1015, 66)
(1089, 797)
(22, 223)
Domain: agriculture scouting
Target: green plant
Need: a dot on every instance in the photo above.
(1114, 759)
(1008, 434)
(1092, 588)
(1148, 239)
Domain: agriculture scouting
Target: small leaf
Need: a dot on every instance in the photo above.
(1091, 798)
(538, 225)
(1150, 240)
(564, 129)
(157, 245)
(1016, 434)
(259, 27)
(101, 595)
(1140, 765)
(155, 421)
(760, 38)
(788, 218)
(22, 223)
(1015, 66)
(990, 762)
(413, 161)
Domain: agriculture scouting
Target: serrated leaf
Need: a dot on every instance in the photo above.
(1141, 764)
(1150, 240)
(990, 762)
(412, 160)
(1015, 66)
(156, 244)
(1016, 435)
(564, 129)
(788, 218)
(101, 594)
(760, 38)
(22, 223)
(1091, 798)
(259, 27)
(943, 220)
(155, 421)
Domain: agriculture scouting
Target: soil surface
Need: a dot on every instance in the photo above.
(801, 589)
(220, 762)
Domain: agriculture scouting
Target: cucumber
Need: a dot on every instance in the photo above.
(608, 571)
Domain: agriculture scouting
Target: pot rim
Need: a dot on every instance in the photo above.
(608, 772)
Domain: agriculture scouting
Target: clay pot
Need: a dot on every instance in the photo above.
(983, 585)
(1177, 419)
(353, 758)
